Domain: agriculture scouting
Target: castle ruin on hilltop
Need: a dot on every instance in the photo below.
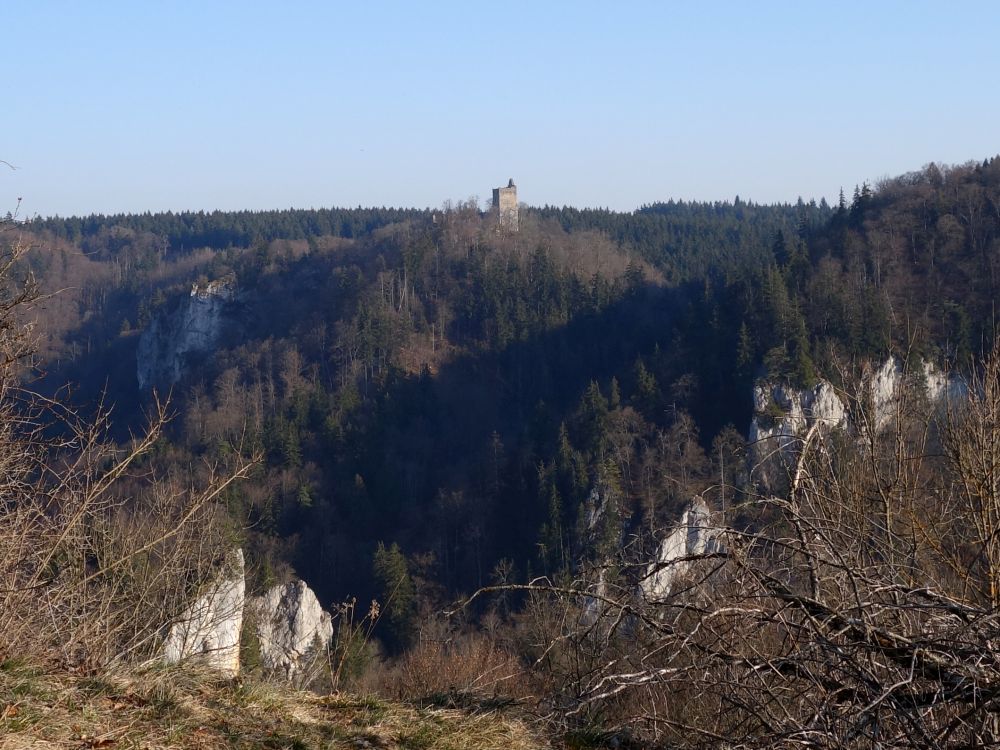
(505, 207)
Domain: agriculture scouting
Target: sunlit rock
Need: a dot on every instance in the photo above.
(884, 387)
(291, 628)
(193, 328)
(694, 535)
(783, 414)
(208, 631)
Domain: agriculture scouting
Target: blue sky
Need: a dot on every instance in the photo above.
(134, 106)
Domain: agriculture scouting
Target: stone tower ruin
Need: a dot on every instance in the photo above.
(505, 207)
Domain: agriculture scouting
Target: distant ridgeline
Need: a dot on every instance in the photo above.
(188, 230)
(691, 238)
(677, 235)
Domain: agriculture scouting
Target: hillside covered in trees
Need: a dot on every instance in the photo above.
(418, 384)
(418, 406)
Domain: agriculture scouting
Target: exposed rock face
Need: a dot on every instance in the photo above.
(884, 389)
(595, 507)
(288, 622)
(602, 516)
(943, 388)
(291, 626)
(782, 414)
(194, 327)
(798, 411)
(693, 535)
(594, 606)
(603, 536)
(209, 630)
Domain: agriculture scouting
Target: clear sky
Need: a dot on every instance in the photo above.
(135, 106)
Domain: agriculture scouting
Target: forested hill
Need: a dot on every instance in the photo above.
(688, 240)
(434, 397)
(189, 230)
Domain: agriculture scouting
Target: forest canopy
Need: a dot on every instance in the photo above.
(418, 382)
(554, 427)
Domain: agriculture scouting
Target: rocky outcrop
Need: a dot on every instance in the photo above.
(943, 388)
(884, 387)
(783, 415)
(193, 328)
(287, 622)
(695, 534)
(602, 535)
(208, 631)
(291, 628)
(595, 605)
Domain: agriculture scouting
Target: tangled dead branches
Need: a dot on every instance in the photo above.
(858, 609)
(95, 553)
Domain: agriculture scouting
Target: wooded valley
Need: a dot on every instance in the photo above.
(423, 407)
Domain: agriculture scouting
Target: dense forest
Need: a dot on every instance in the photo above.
(431, 397)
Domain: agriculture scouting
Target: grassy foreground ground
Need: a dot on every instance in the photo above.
(168, 708)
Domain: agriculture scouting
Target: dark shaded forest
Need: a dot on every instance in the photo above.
(433, 397)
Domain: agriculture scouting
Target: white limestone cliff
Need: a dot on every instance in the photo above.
(694, 535)
(884, 387)
(943, 388)
(194, 327)
(291, 628)
(782, 414)
(209, 629)
(288, 623)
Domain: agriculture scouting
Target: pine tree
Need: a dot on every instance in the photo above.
(398, 594)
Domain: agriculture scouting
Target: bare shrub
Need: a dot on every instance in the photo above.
(89, 572)
(856, 609)
(445, 666)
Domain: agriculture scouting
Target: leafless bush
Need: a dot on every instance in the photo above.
(445, 665)
(858, 609)
(88, 572)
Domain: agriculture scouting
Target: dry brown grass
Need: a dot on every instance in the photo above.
(162, 709)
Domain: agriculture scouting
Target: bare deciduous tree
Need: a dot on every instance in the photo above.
(89, 572)
(859, 609)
